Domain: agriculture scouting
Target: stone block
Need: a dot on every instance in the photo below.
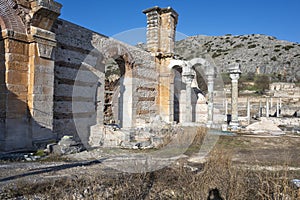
(43, 106)
(42, 97)
(75, 107)
(41, 89)
(16, 77)
(17, 47)
(44, 79)
(10, 57)
(18, 66)
(44, 69)
(17, 90)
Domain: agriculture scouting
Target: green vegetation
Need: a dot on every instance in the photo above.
(251, 46)
(288, 47)
(273, 58)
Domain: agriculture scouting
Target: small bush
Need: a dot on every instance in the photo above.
(262, 82)
(273, 58)
(251, 46)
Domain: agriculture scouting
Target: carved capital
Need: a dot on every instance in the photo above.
(45, 42)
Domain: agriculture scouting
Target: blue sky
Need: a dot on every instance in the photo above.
(279, 18)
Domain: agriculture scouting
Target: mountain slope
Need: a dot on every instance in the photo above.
(254, 52)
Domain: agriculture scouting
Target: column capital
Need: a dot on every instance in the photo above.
(234, 77)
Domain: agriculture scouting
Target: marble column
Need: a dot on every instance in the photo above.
(267, 107)
(248, 110)
(188, 76)
(234, 99)
(260, 109)
(210, 88)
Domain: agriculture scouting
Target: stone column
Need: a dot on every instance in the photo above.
(226, 108)
(210, 90)
(277, 108)
(248, 110)
(188, 79)
(161, 29)
(234, 75)
(41, 68)
(260, 109)
(271, 102)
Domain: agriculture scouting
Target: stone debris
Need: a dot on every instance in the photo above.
(264, 126)
(66, 145)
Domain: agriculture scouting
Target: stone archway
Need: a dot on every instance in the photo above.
(8, 17)
(118, 93)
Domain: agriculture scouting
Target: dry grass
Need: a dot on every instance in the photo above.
(174, 182)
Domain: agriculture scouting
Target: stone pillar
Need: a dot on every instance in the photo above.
(153, 28)
(161, 28)
(226, 108)
(29, 76)
(234, 75)
(267, 107)
(271, 102)
(188, 77)
(210, 93)
(41, 68)
(260, 109)
(248, 111)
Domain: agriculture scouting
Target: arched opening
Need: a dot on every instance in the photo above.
(113, 94)
(178, 87)
(118, 92)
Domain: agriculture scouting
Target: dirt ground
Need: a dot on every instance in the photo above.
(250, 150)
(243, 150)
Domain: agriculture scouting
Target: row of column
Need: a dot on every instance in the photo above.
(268, 105)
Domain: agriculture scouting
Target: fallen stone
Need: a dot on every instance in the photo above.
(65, 146)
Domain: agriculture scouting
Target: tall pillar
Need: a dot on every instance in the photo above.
(248, 111)
(271, 102)
(41, 68)
(226, 108)
(188, 77)
(210, 92)
(161, 28)
(260, 109)
(234, 75)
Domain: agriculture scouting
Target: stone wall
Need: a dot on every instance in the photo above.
(80, 59)
(26, 78)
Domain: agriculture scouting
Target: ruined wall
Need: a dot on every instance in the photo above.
(26, 78)
(80, 58)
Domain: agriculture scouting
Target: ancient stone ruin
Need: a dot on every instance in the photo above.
(59, 79)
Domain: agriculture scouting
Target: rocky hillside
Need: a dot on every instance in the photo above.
(254, 52)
